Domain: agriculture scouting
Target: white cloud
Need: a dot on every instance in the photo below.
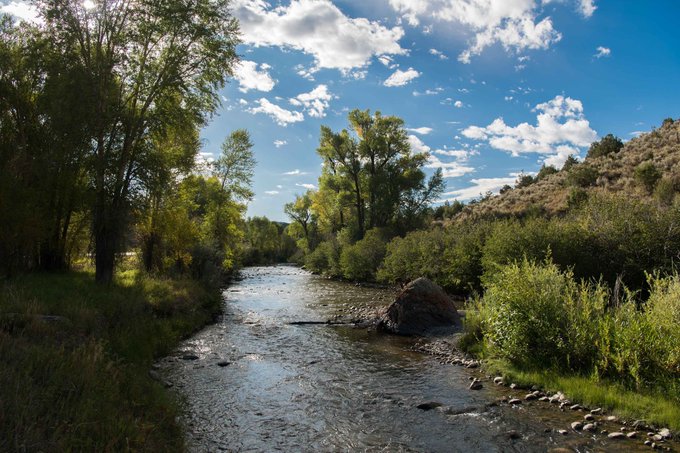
(602, 52)
(250, 78)
(279, 186)
(512, 23)
(461, 155)
(271, 192)
(421, 130)
(428, 92)
(587, 7)
(22, 11)
(280, 143)
(458, 104)
(560, 122)
(563, 151)
(282, 116)
(452, 169)
(318, 28)
(400, 78)
(307, 186)
(417, 145)
(295, 172)
(439, 54)
(315, 102)
(480, 186)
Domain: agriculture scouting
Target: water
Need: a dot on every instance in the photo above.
(337, 388)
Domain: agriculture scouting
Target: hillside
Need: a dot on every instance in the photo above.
(615, 172)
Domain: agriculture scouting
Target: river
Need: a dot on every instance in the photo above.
(261, 384)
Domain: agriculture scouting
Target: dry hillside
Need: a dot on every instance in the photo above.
(614, 173)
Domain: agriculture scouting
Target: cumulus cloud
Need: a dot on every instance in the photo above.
(280, 143)
(453, 169)
(458, 104)
(281, 116)
(480, 186)
(602, 52)
(512, 23)
(438, 53)
(315, 102)
(421, 130)
(295, 172)
(417, 145)
(560, 127)
(462, 155)
(400, 78)
(250, 78)
(318, 28)
(428, 92)
(22, 11)
(587, 7)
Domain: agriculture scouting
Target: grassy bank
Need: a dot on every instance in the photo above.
(539, 325)
(78, 379)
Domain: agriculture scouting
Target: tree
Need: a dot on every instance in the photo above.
(147, 65)
(236, 165)
(300, 211)
(569, 163)
(545, 171)
(608, 145)
(647, 175)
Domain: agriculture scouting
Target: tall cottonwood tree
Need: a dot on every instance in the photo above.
(145, 61)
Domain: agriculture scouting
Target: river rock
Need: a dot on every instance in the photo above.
(665, 433)
(429, 405)
(498, 380)
(616, 435)
(577, 426)
(223, 363)
(420, 307)
(189, 357)
(476, 385)
(514, 401)
(590, 427)
(588, 417)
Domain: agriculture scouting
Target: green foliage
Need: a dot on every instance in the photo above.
(325, 259)
(609, 144)
(577, 196)
(647, 175)
(582, 175)
(266, 242)
(569, 163)
(524, 180)
(360, 260)
(81, 382)
(545, 171)
(236, 165)
(448, 210)
(665, 191)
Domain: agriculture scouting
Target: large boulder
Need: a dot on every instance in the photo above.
(421, 307)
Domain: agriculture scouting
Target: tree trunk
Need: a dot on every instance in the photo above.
(106, 238)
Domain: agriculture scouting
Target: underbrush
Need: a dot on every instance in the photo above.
(539, 319)
(76, 356)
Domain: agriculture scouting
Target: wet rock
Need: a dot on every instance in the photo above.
(189, 357)
(577, 426)
(513, 386)
(665, 433)
(223, 363)
(588, 417)
(498, 380)
(648, 443)
(429, 405)
(590, 427)
(476, 385)
(641, 425)
(544, 399)
(575, 407)
(612, 418)
(421, 306)
(616, 435)
(531, 397)
(597, 411)
(657, 438)
(512, 434)
(631, 435)
(514, 401)
(564, 432)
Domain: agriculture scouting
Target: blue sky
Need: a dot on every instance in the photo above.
(489, 87)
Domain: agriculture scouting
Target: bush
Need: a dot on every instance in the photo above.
(325, 259)
(524, 180)
(360, 261)
(545, 171)
(608, 145)
(569, 163)
(577, 196)
(665, 191)
(582, 176)
(647, 175)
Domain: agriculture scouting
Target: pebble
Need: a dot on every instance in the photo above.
(476, 385)
(498, 380)
(515, 401)
(616, 435)
(590, 427)
(531, 397)
(564, 432)
(544, 399)
(597, 411)
(612, 418)
(577, 426)
(588, 417)
(632, 435)
(665, 433)
(648, 443)
(429, 405)
(575, 407)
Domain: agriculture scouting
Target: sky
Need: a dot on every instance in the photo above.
(489, 88)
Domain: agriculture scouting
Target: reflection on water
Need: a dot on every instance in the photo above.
(322, 388)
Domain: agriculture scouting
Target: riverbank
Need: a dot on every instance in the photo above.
(76, 359)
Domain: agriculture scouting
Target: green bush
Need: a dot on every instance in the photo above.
(665, 191)
(608, 145)
(360, 261)
(582, 176)
(577, 196)
(325, 259)
(647, 175)
(545, 171)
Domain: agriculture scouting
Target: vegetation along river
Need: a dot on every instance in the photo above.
(255, 382)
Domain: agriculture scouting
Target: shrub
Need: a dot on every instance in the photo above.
(608, 145)
(665, 191)
(569, 163)
(647, 175)
(545, 171)
(577, 196)
(524, 180)
(360, 261)
(583, 176)
(325, 259)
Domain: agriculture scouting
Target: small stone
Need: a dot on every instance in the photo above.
(544, 399)
(632, 435)
(530, 397)
(564, 432)
(515, 401)
(577, 426)
(588, 417)
(575, 407)
(498, 380)
(657, 437)
(654, 446)
(513, 386)
(616, 435)
(612, 418)
(648, 443)
(590, 427)
(604, 431)
(665, 433)
(476, 385)
(597, 411)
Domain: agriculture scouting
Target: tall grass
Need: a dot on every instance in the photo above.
(79, 380)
